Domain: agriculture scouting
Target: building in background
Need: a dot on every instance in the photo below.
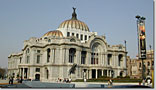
(70, 51)
(136, 66)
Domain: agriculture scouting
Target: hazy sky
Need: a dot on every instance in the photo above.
(22, 19)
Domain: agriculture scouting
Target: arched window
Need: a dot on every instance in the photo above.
(72, 52)
(49, 40)
(27, 51)
(83, 57)
(109, 57)
(95, 53)
(120, 59)
(38, 59)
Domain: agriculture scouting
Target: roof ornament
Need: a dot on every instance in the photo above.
(74, 15)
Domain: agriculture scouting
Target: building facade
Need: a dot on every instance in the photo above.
(71, 51)
(136, 66)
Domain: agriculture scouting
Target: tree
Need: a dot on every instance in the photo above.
(2, 72)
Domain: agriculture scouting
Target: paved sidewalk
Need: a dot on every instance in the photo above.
(6, 82)
(84, 84)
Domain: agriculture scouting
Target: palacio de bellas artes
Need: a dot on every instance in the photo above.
(71, 51)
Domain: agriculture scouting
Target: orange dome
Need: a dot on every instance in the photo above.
(55, 33)
(74, 23)
(77, 24)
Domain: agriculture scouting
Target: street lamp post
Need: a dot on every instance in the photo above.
(125, 56)
(141, 43)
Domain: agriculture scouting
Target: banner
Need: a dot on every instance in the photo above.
(142, 40)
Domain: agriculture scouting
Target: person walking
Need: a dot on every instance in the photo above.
(111, 82)
(143, 82)
(148, 82)
(12, 80)
(9, 80)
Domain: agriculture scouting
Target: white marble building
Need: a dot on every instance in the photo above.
(71, 51)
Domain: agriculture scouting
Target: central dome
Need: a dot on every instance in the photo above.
(74, 23)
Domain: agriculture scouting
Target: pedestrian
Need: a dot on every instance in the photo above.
(9, 80)
(148, 82)
(21, 80)
(85, 80)
(111, 82)
(70, 80)
(108, 82)
(12, 80)
(143, 82)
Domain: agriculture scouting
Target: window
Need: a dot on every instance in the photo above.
(27, 51)
(20, 59)
(28, 59)
(81, 37)
(77, 35)
(68, 34)
(37, 69)
(47, 74)
(38, 51)
(49, 40)
(92, 61)
(120, 60)
(94, 58)
(38, 59)
(85, 37)
(109, 59)
(83, 57)
(71, 55)
(48, 54)
(72, 34)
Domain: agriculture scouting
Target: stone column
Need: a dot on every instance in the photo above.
(90, 73)
(19, 72)
(107, 73)
(28, 72)
(23, 73)
(89, 57)
(67, 55)
(62, 55)
(78, 55)
(51, 55)
(106, 61)
(87, 74)
(102, 72)
(96, 74)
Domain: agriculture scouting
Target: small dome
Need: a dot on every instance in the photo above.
(74, 23)
(55, 33)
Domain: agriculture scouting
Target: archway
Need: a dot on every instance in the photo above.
(37, 76)
(121, 73)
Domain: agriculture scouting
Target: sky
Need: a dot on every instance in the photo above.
(22, 19)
